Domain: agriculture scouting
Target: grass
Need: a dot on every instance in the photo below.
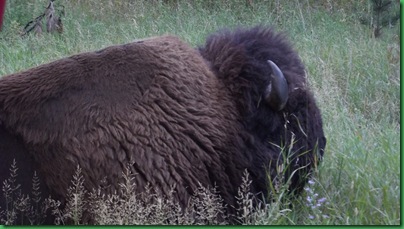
(354, 76)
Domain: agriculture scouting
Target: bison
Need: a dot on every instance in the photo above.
(179, 116)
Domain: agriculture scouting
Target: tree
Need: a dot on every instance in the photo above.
(384, 13)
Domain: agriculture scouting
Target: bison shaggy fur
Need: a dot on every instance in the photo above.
(179, 116)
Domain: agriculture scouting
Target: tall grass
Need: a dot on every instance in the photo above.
(355, 79)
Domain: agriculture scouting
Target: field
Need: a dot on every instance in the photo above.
(354, 76)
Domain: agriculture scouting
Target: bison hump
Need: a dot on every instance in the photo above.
(77, 93)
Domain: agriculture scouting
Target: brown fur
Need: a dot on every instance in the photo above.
(154, 103)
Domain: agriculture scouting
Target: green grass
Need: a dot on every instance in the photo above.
(355, 79)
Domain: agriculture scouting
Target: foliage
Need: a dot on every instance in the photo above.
(384, 13)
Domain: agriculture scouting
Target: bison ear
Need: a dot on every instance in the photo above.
(276, 94)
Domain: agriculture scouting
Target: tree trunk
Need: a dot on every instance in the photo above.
(2, 9)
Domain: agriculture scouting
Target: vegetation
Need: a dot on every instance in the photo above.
(354, 76)
(385, 13)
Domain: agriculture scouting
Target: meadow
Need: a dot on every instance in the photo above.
(355, 78)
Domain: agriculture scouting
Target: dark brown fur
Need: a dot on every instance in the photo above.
(154, 103)
(180, 116)
(239, 59)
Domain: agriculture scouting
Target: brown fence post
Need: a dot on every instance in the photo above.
(2, 9)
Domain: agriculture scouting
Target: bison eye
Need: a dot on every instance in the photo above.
(276, 94)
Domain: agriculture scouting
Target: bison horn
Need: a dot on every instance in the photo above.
(276, 94)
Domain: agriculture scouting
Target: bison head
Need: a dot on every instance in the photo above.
(280, 117)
